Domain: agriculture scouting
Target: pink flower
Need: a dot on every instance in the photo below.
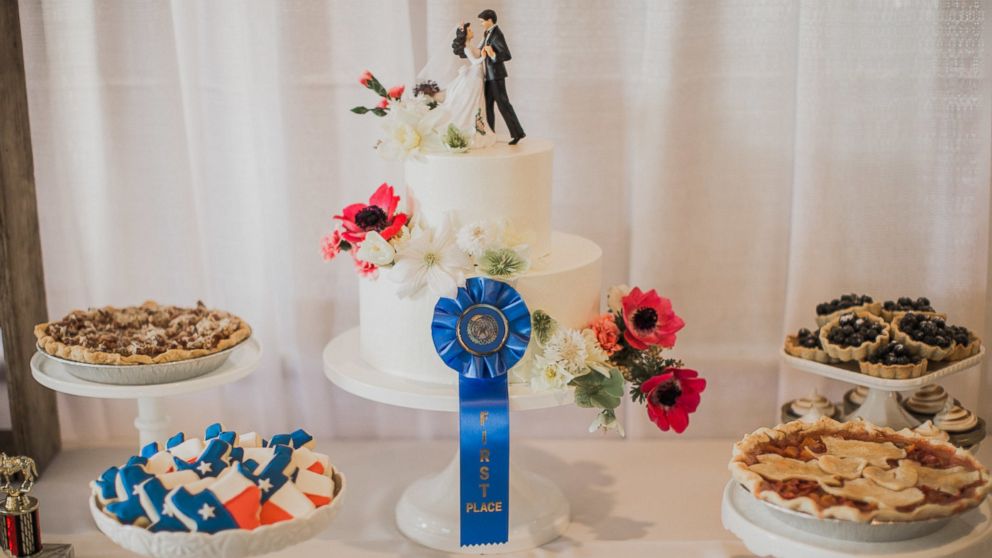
(672, 396)
(396, 92)
(649, 320)
(378, 215)
(366, 78)
(384, 103)
(365, 269)
(331, 245)
(607, 333)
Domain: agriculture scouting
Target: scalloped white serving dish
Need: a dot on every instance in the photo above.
(226, 544)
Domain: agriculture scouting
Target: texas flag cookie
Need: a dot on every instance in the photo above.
(285, 503)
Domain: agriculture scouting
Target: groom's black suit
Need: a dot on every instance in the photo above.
(495, 76)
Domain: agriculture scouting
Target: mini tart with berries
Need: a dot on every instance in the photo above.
(857, 471)
(146, 334)
(966, 343)
(827, 311)
(893, 308)
(894, 361)
(854, 335)
(926, 335)
(806, 344)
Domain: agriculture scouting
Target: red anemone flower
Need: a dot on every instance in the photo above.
(672, 396)
(649, 320)
(379, 215)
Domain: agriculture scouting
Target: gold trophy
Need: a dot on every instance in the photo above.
(20, 534)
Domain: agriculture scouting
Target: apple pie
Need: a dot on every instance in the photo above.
(858, 472)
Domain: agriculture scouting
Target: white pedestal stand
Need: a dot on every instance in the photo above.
(151, 422)
(428, 510)
(881, 405)
(966, 536)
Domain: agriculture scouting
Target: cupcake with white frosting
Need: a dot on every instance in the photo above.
(854, 399)
(926, 402)
(965, 428)
(809, 409)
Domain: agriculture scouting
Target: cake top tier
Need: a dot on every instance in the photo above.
(503, 184)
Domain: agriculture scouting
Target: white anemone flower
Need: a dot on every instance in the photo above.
(376, 250)
(549, 375)
(476, 238)
(430, 258)
(410, 132)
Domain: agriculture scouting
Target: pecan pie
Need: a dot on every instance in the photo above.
(858, 472)
(146, 334)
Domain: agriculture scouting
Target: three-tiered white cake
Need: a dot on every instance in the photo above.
(499, 183)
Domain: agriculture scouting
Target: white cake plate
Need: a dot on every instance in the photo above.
(966, 536)
(881, 405)
(152, 422)
(428, 510)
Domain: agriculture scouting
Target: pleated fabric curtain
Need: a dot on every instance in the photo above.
(747, 159)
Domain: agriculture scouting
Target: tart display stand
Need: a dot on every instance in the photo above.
(881, 405)
(428, 510)
(968, 535)
(151, 422)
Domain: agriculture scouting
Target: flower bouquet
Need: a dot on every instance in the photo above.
(380, 236)
(626, 344)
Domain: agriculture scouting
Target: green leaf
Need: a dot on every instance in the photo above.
(359, 110)
(543, 326)
(378, 111)
(595, 390)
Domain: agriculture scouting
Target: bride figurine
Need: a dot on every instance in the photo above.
(459, 76)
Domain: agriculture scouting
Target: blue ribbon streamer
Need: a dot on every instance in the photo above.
(481, 334)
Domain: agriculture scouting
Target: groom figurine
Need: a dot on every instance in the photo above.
(495, 53)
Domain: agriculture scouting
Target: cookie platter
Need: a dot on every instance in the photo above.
(225, 496)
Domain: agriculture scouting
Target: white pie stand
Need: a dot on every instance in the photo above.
(427, 511)
(152, 422)
(966, 536)
(881, 405)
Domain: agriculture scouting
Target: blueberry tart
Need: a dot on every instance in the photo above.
(827, 311)
(854, 335)
(925, 334)
(903, 304)
(806, 344)
(894, 361)
(966, 343)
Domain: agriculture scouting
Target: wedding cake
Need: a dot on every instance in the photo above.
(503, 184)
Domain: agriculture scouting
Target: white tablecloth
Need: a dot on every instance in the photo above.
(629, 498)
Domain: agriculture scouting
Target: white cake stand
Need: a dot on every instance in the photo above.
(152, 422)
(966, 536)
(881, 405)
(427, 512)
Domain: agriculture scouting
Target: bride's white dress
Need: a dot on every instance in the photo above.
(464, 102)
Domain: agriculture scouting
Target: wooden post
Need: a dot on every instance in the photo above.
(34, 415)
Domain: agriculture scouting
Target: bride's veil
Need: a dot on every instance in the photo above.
(442, 64)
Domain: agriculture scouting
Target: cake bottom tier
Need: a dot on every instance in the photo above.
(396, 332)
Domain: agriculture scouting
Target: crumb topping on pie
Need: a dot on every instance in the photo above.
(859, 472)
(146, 334)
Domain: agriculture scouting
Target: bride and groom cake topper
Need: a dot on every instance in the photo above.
(473, 91)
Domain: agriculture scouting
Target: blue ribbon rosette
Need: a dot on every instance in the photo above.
(481, 334)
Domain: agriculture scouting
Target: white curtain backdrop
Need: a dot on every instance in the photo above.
(747, 158)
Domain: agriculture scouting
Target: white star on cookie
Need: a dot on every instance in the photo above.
(206, 512)
(265, 485)
(204, 468)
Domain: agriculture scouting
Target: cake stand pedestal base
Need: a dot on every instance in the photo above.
(428, 512)
(883, 408)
